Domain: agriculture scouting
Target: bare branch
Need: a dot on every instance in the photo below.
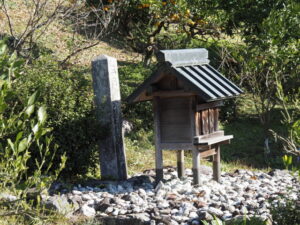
(75, 52)
(8, 18)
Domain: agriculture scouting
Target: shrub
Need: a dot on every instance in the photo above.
(139, 114)
(68, 96)
(23, 132)
(286, 214)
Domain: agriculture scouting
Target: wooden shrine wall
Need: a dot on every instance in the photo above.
(175, 122)
(207, 121)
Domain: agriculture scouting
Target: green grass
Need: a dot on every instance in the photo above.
(247, 146)
(246, 150)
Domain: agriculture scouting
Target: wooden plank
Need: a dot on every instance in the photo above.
(176, 146)
(216, 119)
(179, 115)
(151, 89)
(196, 153)
(211, 119)
(192, 116)
(174, 103)
(218, 133)
(197, 124)
(200, 122)
(207, 153)
(202, 148)
(168, 82)
(172, 133)
(217, 164)
(175, 93)
(158, 151)
(140, 93)
(175, 122)
(196, 166)
(212, 140)
(180, 163)
(209, 105)
(204, 119)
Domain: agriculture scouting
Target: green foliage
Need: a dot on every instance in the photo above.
(291, 120)
(215, 221)
(139, 114)
(9, 64)
(287, 160)
(287, 213)
(149, 25)
(240, 221)
(23, 130)
(68, 96)
(281, 17)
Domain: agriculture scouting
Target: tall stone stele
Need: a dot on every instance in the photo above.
(108, 109)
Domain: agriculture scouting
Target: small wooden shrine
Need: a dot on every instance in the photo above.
(186, 93)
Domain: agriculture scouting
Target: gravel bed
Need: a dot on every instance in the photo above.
(177, 201)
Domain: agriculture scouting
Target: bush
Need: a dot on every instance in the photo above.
(23, 133)
(286, 214)
(140, 114)
(68, 96)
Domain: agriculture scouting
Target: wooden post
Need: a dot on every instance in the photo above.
(196, 165)
(217, 164)
(180, 163)
(195, 132)
(108, 111)
(158, 150)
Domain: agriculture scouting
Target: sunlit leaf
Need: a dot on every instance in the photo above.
(29, 110)
(19, 136)
(32, 98)
(42, 114)
(23, 145)
(11, 144)
(35, 128)
(3, 47)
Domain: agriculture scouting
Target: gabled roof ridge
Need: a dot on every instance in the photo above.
(191, 66)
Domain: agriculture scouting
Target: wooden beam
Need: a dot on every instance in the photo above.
(172, 93)
(217, 164)
(196, 153)
(208, 153)
(198, 140)
(204, 121)
(219, 133)
(216, 119)
(180, 163)
(141, 90)
(196, 166)
(203, 148)
(158, 150)
(176, 146)
(211, 119)
(151, 89)
(209, 105)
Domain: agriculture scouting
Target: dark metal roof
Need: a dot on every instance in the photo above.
(209, 81)
(180, 57)
(191, 66)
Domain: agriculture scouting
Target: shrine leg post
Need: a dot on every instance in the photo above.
(196, 166)
(158, 150)
(180, 163)
(217, 164)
